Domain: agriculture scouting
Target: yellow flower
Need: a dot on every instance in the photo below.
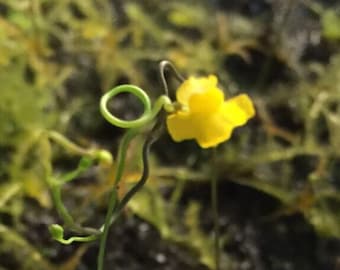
(204, 115)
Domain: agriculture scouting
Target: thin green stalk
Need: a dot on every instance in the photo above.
(83, 239)
(114, 209)
(147, 117)
(61, 209)
(151, 138)
(113, 196)
(214, 204)
(177, 193)
(67, 144)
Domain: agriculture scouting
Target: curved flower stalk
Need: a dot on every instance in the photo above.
(203, 114)
(150, 114)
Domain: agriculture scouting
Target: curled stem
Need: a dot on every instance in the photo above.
(147, 117)
(57, 233)
(113, 195)
(149, 114)
(56, 183)
(152, 137)
(162, 66)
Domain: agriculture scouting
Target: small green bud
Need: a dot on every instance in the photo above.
(105, 157)
(56, 231)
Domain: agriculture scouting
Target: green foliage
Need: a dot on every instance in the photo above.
(23, 105)
(150, 205)
(57, 57)
(26, 255)
(269, 168)
(330, 24)
(174, 224)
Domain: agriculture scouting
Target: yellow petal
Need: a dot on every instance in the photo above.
(206, 102)
(207, 118)
(217, 127)
(238, 110)
(213, 130)
(180, 126)
(194, 85)
(208, 129)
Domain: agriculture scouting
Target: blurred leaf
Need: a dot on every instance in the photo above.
(330, 21)
(7, 192)
(21, 20)
(325, 217)
(22, 105)
(35, 188)
(24, 253)
(186, 15)
(149, 205)
(197, 239)
(152, 207)
(93, 30)
(73, 262)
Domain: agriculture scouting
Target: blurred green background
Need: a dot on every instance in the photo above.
(279, 177)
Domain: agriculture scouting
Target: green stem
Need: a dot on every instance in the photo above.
(148, 115)
(113, 196)
(214, 203)
(56, 184)
(67, 144)
(61, 209)
(115, 210)
(176, 194)
(72, 239)
(151, 138)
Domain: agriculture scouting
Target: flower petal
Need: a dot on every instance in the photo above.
(206, 102)
(209, 130)
(204, 115)
(180, 126)
(213, 130)
(194, 85)
(238, 110)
